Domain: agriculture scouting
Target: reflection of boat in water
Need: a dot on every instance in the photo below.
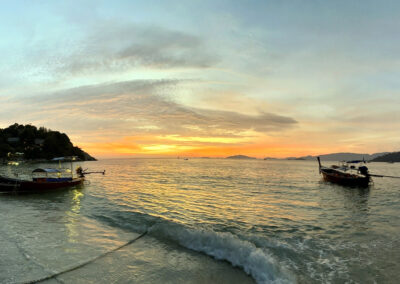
(42, 180)
(346, 174)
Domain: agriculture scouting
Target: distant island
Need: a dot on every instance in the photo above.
(376, 157)
(389, 158)
(27, 142)
(341, 157)
(240, 157)
(344, 156)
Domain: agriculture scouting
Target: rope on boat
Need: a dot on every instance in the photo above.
(55, 275)
(383, 176)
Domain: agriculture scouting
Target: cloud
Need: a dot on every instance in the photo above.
(262, 122)
(112, 47)
(142, 108)
(163, 48)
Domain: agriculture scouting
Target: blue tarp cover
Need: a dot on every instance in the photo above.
(45, 171)
(355, 161)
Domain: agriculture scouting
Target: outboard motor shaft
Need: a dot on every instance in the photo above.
(363, 170)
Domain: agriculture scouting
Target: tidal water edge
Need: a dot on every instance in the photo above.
(205, 221)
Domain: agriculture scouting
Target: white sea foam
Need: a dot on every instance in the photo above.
(256, 262)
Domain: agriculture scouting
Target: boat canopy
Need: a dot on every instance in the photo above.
(355, 161)
(45, 171)
(58, 159)
(69, 158)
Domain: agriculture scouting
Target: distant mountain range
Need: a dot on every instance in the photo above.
(376, 157)
(389, 158)
(341, 157)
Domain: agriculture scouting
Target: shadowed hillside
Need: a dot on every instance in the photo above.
(341, 157)
(390, 158)
(32, 143)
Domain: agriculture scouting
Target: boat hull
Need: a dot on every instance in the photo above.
(22, 186)
(333, 176)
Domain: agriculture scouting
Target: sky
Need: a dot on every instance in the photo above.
(205, 78)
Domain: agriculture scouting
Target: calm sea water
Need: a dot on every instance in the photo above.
(207, 221)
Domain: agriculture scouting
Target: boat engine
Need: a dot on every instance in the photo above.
(363, 170)
(80, 172)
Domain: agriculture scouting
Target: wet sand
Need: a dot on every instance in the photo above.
(148, 260)
(49, 243)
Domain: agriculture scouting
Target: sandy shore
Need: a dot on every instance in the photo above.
(148, 260)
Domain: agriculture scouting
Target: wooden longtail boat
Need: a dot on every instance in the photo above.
(345, 174)
(40, 183)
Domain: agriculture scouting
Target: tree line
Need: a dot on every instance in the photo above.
(37, 143)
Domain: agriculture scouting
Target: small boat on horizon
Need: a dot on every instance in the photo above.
(346, 174)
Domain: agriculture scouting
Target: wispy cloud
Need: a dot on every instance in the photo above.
(142, 107)
(116, 47)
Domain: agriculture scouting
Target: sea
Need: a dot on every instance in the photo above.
(202, 221)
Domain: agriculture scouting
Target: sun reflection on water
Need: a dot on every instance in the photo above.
(72, 217)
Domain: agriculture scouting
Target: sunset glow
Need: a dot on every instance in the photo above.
(264, 79)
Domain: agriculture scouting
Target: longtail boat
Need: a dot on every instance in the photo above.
(346, 174)
(42, 180)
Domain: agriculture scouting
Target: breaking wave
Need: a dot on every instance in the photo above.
(256, 262)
